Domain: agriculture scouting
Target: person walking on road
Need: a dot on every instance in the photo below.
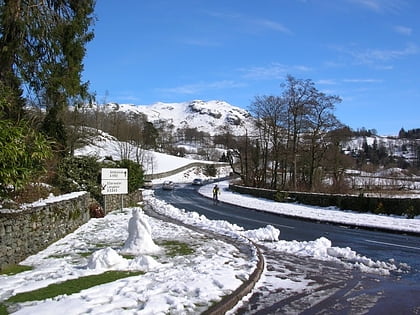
(216, 193)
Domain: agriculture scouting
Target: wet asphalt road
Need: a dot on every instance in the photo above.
(330, 289)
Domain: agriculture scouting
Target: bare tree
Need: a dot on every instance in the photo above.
(243, 159)
(270, 114)
(321, 120)
(299, 95)
(291, 136)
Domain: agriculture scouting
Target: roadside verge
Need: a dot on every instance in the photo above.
(330, 215)
(230, 301)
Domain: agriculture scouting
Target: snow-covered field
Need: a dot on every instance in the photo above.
(184, 284)
(106, 145)
(177, 285)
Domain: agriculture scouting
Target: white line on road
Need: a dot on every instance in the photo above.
(392, 244)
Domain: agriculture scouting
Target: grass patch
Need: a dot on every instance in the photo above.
(3, 310)
(176, 248)
(71, 286)
(57, 256)
(128, 256)
(85, 254)
(100, 245)
(14, 269)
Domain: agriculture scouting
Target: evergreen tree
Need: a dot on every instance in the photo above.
(42, 44)
(402, 134)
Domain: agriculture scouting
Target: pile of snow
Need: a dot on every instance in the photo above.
(139, 242)
(110, 259)
(106, 258)
(53, 199)
(191, 218)
(139, 239)
(322, 249)
(170, 285)
(268, 233)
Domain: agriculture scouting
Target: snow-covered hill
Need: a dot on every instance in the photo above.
(104, 146)
(218, 117)
(213, 117)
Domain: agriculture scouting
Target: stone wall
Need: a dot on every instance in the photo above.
(27, 231)
(113, 202)
(183, 168)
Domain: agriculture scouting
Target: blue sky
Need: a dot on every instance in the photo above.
(365, 51)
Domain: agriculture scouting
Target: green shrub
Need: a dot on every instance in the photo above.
(3, 310)
(84, 173)
(281, 196)
(79, 173)
(410, 212)
(23, 153)
(210, 170)
(379, 208)
(135, 174)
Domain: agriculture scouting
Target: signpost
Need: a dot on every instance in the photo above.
(114, 181)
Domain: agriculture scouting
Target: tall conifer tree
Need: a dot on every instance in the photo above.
(42, 46)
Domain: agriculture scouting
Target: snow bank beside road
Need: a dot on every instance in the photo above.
(181, 284)
(330, 214)
(268, 236)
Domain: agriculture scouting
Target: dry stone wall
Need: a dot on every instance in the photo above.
(114, 202)
(27, 231)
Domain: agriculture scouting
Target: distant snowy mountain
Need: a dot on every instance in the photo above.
(213, 117)
(218, 117)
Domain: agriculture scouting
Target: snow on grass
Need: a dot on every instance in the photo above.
(184, 283)
(177, 284)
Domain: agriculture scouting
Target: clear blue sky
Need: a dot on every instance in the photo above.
(365, 51)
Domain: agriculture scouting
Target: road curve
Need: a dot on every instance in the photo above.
(228, 302)
(330, 288)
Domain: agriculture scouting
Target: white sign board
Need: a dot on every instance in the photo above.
(115, 173)
(114, 181)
